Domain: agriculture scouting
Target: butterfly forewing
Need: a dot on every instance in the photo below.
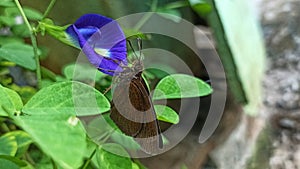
(125, 120)
(138, 118)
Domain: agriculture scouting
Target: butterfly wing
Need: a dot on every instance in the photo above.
(150, 131)
(138, 118)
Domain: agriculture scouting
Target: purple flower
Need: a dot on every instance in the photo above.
(101, 40)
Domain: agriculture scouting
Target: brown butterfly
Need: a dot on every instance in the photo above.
(132, 108)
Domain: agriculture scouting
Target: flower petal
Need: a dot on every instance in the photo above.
(94, 20)
(102, 40)
(106, 65)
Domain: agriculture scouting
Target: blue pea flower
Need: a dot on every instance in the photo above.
(101, 40)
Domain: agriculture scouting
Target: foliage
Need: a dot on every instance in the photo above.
(40, 124)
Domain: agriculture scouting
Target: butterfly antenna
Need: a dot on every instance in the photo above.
(140, 45)
(108, 70)
(107, 89)
(130, 44)
(208, 81)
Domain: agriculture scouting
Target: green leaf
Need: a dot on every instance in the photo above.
(201, 7)
(30, 13)
(8, 145)
(98, 128)
(29, 166)
(20, 31)
(46, 83)
(48, 74)
(5, 40)
(101, 127)
(26, 92)
(133, 34)
(60, 79)
(139, 165)
(172, 14)
(50, 119)
(69, 97)
(135, 166)
(82, 72)
(7, 3)
(9, 101)
(42, 161)
(6, 20)
(166, 114)
(160, 73)
(44, 52)
(124, 140)
(56, 135)
(23, 141)
(91, 147)
(178, 86)
(175, 5)
(19, 53)
(108, 160)
(9, 162)
(15, 99)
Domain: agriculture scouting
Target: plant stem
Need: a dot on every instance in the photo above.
(50, 6)
(89, 160)
(29, 159)
(147, 16)
(178, 4)
(141, 22)
(53, 163)
(33, 42)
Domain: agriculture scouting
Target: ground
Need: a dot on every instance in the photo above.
(280, 23)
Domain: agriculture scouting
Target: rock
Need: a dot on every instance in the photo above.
(280, 25)
(287, 123)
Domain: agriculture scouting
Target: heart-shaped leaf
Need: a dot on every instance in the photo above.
(9, 162)
(9, 101)
(178, 86)
(82, 72)
(19, 53)
(167, 114)
(8, 145)
(50, 119)
(108, 160)
(23, 141)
